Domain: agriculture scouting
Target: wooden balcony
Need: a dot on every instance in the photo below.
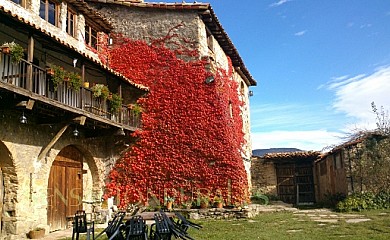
(34, 79)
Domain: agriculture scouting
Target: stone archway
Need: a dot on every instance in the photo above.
(72, 179)
(65, 187)
(8, 191)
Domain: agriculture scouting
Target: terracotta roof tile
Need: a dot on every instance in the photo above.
(292, 155)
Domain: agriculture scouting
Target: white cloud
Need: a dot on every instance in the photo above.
(354, 95)
(279, 3)
(301, 33)
(304, 140)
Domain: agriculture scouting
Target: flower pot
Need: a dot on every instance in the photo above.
(36, 234)
(204, 205)
(50, 71)
(169, 205)
(220, 205)
(86, 84)
(6, 50)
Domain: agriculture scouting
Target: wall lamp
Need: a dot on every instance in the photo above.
(250, 93)
(120, 132)
(209, 79)
(23, 119)
(76, 132)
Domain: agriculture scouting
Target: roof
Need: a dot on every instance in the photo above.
(61, 41)
(283, 156)
(209, 18)
(358, 138)
(96, 17)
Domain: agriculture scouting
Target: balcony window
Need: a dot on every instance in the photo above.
(71, 23)
(90, 36)
(48, 11)
(20, 2)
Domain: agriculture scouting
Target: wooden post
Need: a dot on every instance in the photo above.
(30, 57)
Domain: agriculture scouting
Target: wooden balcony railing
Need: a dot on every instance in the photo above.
(18, 76)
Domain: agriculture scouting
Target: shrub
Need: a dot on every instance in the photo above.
(362, 201)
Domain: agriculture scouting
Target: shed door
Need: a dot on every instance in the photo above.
(286, 182)
(65, 188)
(295, 181)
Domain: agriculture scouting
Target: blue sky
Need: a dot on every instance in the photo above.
(318, 64)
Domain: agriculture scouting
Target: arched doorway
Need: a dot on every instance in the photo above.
(65, 187)
(8, 187)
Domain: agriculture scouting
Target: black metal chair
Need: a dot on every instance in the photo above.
(115, 227)
(175, 230)
(80, 225)
(136, 229)
(184, 223)
(159, 230)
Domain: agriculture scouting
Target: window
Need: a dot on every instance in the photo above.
(231, 109)
(90, 36)
(20, 2)
(337, 161)
(210, 41)
(71, 23)
(48, 11)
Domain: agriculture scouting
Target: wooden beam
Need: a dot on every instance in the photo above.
(44, 152)
(80, 120)
(30, 57)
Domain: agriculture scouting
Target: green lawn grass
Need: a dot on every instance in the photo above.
(286, 225)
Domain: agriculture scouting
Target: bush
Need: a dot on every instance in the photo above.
(362, 201)
(260, 199)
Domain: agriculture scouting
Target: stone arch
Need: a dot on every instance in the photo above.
(8, 194)
(73, 178)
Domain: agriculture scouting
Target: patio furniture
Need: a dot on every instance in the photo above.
(80, 225)
(184, 223)
(159, 230)
(114, 227)
(176, 231)
(136, 229)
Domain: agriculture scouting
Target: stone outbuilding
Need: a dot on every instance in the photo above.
(289, 176)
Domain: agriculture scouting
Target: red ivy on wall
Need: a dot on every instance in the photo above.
(192, 131)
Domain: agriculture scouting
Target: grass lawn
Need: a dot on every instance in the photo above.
(286, 225)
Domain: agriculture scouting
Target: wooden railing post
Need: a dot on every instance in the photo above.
(30, 57)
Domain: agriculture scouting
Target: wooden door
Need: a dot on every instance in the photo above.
(305, 183)
(295, 183)
(286, 182)
(65, 188)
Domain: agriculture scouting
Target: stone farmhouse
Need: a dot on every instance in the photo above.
(57, 142)
(66, 115)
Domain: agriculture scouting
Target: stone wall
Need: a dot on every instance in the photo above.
(26, 177)
(186, 30)
(250, 211)
(264, 178)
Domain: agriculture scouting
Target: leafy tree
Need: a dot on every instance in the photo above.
(370, 168)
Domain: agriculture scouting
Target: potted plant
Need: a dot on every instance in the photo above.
(203, 201)
(75, 81)
(58, 76)
(15, 50)
(100, 91)
(169, 201)
(115, 102)
(218, 201)
(36, 233)
(137, 109)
